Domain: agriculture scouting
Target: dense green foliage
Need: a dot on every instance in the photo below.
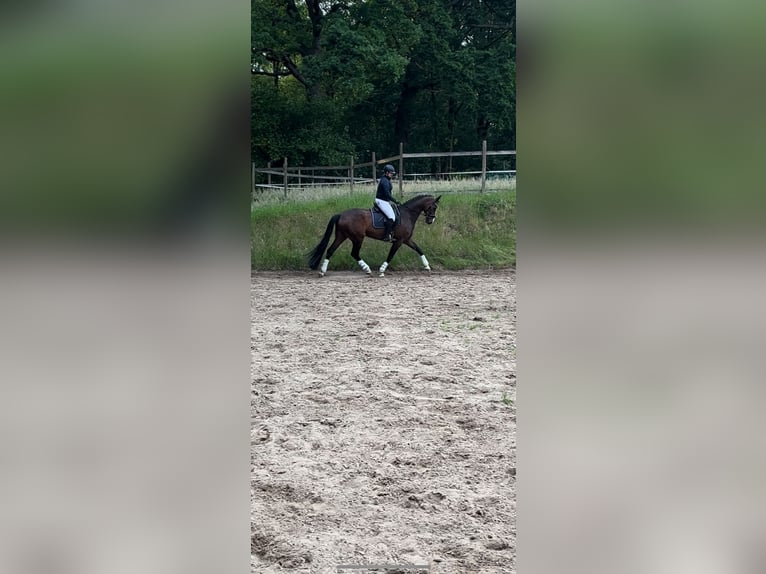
(472, 231)
(334, 79)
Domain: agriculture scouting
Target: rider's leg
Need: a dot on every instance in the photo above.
(388, 232)
(388, 211)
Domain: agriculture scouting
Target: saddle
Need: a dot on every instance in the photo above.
(379, 219)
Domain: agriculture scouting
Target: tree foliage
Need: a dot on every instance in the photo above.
(333, 79)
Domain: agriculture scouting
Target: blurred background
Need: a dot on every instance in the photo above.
(640, 269)
(124, 369)
(120, 117)
(124, 194)
(637, 115)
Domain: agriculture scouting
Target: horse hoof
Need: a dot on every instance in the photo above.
(321, 274)
(381, 274)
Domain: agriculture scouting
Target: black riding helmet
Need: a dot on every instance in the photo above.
(389, 169)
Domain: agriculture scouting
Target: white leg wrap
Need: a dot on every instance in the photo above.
(425, 262)
(325, 263)
(383, 267)
(364, 266)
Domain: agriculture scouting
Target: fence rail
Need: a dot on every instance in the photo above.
(351, 173)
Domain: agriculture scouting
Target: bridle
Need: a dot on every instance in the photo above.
(430, 212)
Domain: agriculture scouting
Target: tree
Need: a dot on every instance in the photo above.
(331, 78)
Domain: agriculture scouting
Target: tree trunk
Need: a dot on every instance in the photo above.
(402, 120)
(435, 117)
(482, 127)
(452, 109)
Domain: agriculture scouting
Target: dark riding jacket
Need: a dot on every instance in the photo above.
(385, 190)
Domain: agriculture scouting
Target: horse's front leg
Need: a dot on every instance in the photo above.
(417, 249)
(391, 253)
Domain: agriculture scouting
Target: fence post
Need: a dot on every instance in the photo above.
(268, 167)
(284, 171)
(351, 171)
(374, 170)
(300, 181)
(483, 164)
(401, 168)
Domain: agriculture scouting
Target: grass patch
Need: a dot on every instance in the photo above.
(472, 231)
(276, 195)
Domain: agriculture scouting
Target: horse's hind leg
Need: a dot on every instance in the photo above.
(357, 257)
(339, 238)
(391, 253)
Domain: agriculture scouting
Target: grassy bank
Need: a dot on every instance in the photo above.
(472, 231)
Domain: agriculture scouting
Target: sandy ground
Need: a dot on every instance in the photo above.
(380, 433)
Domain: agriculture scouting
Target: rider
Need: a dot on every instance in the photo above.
(384, 198)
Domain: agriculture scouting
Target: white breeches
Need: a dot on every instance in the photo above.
(385, 207)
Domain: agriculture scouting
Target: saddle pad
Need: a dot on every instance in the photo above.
(378, 219)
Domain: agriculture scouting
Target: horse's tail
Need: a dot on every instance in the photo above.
(315, 256)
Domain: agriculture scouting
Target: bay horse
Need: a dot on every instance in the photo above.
(356, 224)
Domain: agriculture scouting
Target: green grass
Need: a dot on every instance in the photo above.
(276, 195)
(472, 231)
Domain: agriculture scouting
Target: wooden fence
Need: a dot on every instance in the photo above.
(285, 177)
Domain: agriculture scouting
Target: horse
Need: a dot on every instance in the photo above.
(356, 224)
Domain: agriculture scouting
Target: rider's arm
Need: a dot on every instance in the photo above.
(391, 193)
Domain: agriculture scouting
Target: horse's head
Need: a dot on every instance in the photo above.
(430, 210)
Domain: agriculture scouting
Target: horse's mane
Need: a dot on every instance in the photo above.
(416, 198)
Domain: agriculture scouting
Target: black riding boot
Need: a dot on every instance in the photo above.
(388, 232)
